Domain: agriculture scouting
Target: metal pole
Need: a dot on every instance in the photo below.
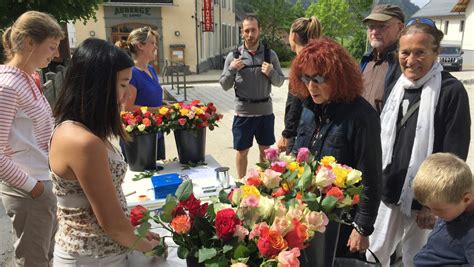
(197, 36)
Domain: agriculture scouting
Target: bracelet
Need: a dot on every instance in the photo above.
(360, 229)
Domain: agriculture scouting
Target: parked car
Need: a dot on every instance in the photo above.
(450, 57)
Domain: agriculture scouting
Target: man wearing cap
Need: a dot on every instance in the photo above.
(379, 66)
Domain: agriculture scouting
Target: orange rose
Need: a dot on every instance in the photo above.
(147, 122)
(181, 224)
(277, 241)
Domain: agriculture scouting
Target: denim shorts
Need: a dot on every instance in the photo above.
(245, 128)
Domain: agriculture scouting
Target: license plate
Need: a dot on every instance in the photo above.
(447, 64)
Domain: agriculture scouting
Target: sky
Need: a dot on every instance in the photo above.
(420, 3)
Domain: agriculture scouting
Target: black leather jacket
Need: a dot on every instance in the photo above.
(351, 133)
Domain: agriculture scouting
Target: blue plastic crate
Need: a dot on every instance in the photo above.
(165, 184)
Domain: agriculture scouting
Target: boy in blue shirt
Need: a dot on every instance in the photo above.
(444, 183)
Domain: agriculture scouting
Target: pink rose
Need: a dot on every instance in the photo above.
(271, 179)
(289, 258)
(250, 201)
(182, 121)
(271, 154)
(317, 221)
(241, 232)
(303, 154)
(239, 264)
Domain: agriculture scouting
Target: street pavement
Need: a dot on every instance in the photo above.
(205, 86)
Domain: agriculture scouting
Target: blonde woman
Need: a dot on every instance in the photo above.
(25, 127)
(301, 32)
(144, 88)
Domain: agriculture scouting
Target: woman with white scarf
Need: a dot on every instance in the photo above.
(426, 112)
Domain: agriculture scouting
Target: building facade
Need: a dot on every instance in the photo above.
(467, 7)
(180, 24)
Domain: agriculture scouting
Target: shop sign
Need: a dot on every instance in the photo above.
(207, 15)
(132, 11)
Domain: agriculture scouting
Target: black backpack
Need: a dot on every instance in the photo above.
(266, 56)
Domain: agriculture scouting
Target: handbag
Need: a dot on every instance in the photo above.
(354, 262)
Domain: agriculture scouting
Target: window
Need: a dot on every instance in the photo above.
(223, 3)
(461, 26)
(446, 26)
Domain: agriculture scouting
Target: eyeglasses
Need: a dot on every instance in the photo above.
(426, 21)
(316, 79)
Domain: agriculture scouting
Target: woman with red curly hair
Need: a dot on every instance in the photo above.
(337, 121)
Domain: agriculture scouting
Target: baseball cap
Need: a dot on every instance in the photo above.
(385, 12)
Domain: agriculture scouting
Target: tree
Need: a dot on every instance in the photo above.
(62, 10)
(342, 20)
(275, 18)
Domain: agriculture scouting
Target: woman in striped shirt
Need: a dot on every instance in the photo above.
(25, 127)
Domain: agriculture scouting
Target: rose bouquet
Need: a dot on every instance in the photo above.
(194, 115)
(140, 121)
(270, 216)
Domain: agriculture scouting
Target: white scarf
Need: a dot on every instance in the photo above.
(424, 133)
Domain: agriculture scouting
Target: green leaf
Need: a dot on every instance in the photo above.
(354, 190)
(241, 251)
(224, 197)
(183, 252)
(311, 199)
(184, 190)
(227, 248)
(305, 179)
(144, 175)
(329, 202)
(206, 254)
(168, 208)
(143, 229)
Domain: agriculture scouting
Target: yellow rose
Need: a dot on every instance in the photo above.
(144, 109)
(293, 166)
(249, 190)
(327, 160)
(198, 111)
(163, 110)
(177, 105)
(300, 171)
(341, 176)
(129, 128)
(184, 111)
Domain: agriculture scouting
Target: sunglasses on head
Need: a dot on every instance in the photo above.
(316, 79)
(426, 21)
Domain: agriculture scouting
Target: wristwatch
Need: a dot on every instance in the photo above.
(360, 229)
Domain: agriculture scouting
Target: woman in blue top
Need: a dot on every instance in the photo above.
(144, 87)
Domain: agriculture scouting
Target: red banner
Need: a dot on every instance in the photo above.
(207, 16)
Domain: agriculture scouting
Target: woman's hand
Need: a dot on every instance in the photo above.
(37, 190)
(155, 239)
(357, 242)
(282, 144)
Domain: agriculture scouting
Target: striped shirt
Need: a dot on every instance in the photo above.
(26, 123)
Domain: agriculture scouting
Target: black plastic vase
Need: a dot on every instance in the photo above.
(191, 145)
(141, 152)
(193, 262)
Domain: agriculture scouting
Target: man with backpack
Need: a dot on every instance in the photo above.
(251, 70)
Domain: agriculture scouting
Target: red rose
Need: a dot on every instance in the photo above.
(279, 192)
(297, 236)
(137, 214)
(225, 223)
(336, 192)
(191, 203)
(199, 212)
